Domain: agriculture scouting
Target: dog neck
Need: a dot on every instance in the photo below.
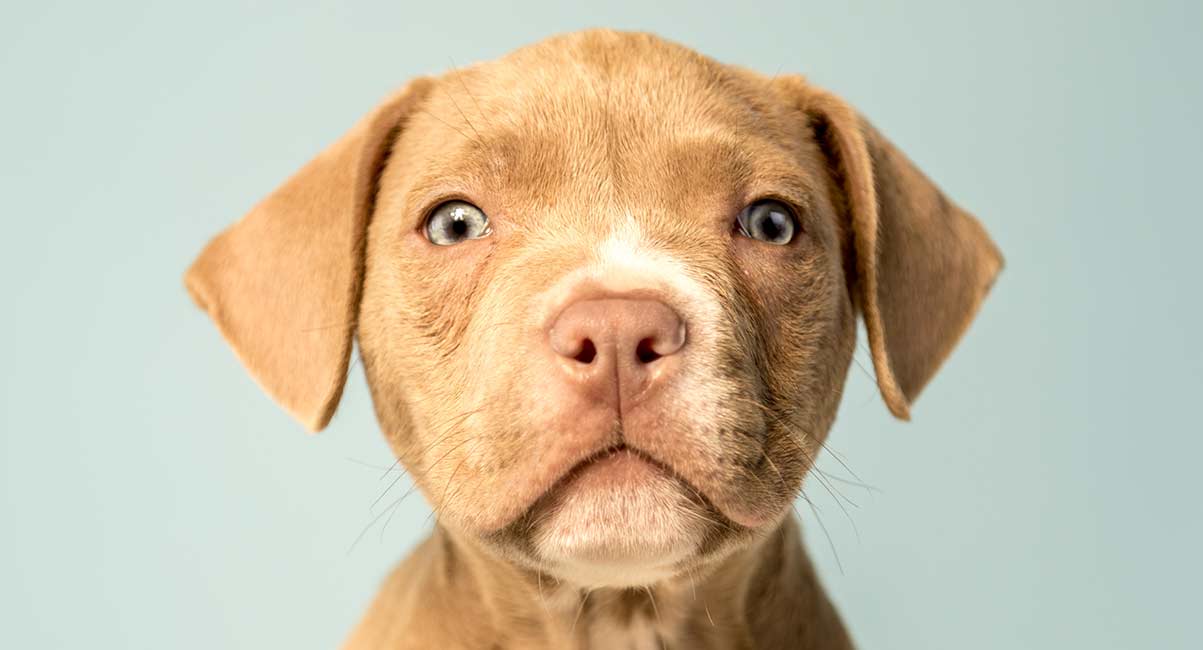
(451, 593)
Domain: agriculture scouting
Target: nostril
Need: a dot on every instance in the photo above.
(601, 338)
(588, 352)
(645, 352)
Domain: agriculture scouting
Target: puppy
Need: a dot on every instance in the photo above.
(605, 291)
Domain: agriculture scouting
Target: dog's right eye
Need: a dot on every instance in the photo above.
(456, 221)
(768, 221)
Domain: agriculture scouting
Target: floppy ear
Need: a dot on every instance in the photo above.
(283, 284)
(923, 265)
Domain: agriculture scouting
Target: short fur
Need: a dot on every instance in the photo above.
(615, 159)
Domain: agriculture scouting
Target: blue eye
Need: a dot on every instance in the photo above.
(456, 221)
(768, 221)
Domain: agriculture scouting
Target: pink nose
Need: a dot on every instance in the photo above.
(618, 348)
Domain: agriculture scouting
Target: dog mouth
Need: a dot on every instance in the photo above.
(615, 464)
(621, 467)
(620, 517)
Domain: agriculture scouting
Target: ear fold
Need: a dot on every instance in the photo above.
(283, 284)
(923, 264)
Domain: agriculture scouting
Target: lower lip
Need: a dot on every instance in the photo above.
(619, 469)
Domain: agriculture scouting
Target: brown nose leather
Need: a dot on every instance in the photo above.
(618, 348)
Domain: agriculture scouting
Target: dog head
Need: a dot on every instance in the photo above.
(605, 291)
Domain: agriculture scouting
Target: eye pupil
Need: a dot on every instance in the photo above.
(459, 227)
(772, 226)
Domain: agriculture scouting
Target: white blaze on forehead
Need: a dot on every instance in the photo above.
(624, 246)
(626, 261)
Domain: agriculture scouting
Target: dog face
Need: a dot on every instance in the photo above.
(605, 291)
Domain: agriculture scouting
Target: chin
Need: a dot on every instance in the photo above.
(619, 521)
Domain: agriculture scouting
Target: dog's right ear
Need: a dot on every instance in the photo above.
(923, 264)
(283, 284)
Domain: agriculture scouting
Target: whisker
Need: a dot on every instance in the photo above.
(449, 427)
(432, 466)
(459, 75)
(871, 376)
(390, 469)
(444, 123)
(651, 597)
(371, 523)
(461, 114)
(839, 459)
(865, 486)
(438, 440)
(542, 598)
(580, 608)
(822, 527)
(394, 507)
(836, 495)
(387, 490)
(367, 464)
(780, 478)
(448, 498)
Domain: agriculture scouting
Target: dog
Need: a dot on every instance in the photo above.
(605, 291)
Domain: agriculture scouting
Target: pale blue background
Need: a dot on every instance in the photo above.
(1045, 496)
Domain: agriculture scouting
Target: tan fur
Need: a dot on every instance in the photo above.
(283, 284)
(603, 159)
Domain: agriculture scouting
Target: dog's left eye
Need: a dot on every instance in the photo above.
(768, 221)
(456, 221)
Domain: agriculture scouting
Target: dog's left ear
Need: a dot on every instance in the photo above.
(923, 265)
(283, 284)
